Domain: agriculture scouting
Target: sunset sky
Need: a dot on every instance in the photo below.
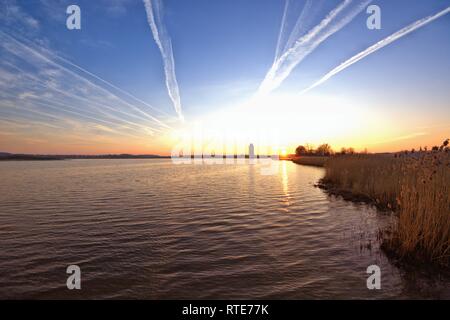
(143, 76)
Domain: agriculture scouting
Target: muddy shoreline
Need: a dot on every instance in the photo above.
(348, 195)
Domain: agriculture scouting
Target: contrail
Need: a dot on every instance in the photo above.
(109, 84)
(162, 39)
(63, 107)
(381, 44)
(44, 114)
(282, 30)
(48, 60)
(53, 54)
(90, 102)
(308, 12)
(333, 22)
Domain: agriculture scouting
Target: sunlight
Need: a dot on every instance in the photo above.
(285, 181)
(279, 120)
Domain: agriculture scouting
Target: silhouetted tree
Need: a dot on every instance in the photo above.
(324, 149)
(347, 150)
(309, 148)
(300, 151)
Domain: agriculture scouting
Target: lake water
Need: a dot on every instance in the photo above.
(151, 229)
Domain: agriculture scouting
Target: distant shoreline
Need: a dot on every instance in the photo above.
(41, 157)
(37, 157)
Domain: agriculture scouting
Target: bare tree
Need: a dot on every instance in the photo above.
(324, 149)
(300, 151)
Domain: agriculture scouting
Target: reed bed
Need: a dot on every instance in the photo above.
(416, 186)
(316, 161)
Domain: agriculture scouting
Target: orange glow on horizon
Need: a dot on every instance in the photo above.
(278, 120)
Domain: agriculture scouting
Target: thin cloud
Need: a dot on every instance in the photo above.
(401, 138)
(12, 13)
(33, 83)
(162, 39)
(42, 58)
(116, 7)
(336, 19)
(381, 44)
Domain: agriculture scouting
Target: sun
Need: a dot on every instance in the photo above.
(283, 152)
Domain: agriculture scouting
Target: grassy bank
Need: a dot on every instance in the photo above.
(316, 161)
(416, 186)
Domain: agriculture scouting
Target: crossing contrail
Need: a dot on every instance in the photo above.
(380, 44)
(303, 15)
(336, 19)
(282, 31)
(302, 22)
(153, 9)
(109, 84)
(47, 59)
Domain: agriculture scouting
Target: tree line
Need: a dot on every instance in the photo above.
(326, 150)
(322, 150)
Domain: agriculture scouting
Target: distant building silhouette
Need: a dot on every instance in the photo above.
(251, 151)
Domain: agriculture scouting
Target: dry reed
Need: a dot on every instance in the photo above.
(416, 186)
(316, 161)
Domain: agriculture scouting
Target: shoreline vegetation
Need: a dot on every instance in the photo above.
(414, 185)
(315, 161)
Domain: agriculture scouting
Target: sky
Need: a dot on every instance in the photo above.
(153, 76)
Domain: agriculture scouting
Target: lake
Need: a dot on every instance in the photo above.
(151, 229)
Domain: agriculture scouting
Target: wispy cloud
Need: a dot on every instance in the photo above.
(154, 9)
(117, 7)
(332, 23)
(11, 13)
(402, 137)
(40, 87)
(381, 44)
(43, 56)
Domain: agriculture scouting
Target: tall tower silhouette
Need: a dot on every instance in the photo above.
(251, 151)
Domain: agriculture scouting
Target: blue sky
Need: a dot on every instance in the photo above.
(222, 52)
